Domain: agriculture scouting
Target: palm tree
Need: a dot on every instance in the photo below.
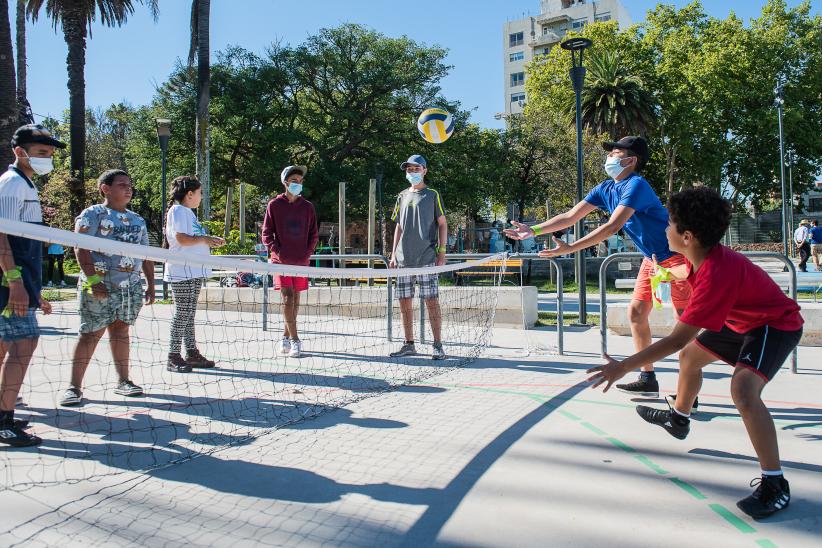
(76, 17)
(614, 101)
(24, 108)
(8, 89)
(200, 15)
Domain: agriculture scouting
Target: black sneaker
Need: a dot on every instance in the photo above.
(772, 494)
(643, 386)
(128, 388)
(438, 353)
(176, 364)
(671, 399)
(406, 350)
(72, 396)
(13, 435)
(195, 359)
(676, 426)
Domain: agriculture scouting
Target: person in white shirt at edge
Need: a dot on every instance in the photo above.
(801, 239)
(21, 265)
(184, 234)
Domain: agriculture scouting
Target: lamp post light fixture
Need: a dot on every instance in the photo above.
(163, 135)
(779, 101)
(577, 47)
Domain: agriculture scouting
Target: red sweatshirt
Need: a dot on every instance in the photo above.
(290, 230)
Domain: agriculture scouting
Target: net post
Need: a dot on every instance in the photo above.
(265, 301)
(341, 221)
(422, 319)
(389, 317)
(372, 208)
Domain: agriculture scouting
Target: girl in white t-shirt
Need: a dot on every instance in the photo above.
(184, 234)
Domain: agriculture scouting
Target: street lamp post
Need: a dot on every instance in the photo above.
(577, 46)
(163, 135)
(379, 210)
(792, 206)
(779, 101)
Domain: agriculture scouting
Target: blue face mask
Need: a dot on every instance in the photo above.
(613, 167)
(414, 178)
(295, 188)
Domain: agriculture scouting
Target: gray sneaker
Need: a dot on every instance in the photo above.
(438, 353)
(406, 350)
(71, 397)
(128, 388)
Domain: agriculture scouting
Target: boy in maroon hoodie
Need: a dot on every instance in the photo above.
(290, 234)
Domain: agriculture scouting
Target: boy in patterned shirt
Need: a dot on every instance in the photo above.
(111, 293)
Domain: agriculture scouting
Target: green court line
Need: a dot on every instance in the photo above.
(568, 415)
(688, 488)
(624, 446)
(651, 464)
(766, 543)
(731, 518)
(593, 429)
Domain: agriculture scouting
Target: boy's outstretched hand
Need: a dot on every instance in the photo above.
(519, 232)
(609, 373)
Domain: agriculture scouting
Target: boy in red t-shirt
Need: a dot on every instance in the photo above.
(747, 321)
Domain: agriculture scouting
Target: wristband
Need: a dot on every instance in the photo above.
(537, 230)
(440, 249)
(12, 275)
(94, 279)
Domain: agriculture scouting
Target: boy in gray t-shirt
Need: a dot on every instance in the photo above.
(419, 240)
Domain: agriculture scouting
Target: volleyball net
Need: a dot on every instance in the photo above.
(349, 322)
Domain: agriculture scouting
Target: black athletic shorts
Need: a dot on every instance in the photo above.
(763, 350)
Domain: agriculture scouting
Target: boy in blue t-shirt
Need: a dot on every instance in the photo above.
(636, 209)
(21, 266)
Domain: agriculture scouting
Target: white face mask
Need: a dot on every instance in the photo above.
(414, 178)
(613, 166)
(295, 188)
(41, 166)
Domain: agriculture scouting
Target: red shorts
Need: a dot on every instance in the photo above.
(680, 290)
(298, 283)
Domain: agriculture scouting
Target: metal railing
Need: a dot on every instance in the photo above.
(390, 294)
(603, 305)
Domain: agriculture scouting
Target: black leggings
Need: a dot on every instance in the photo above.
(59, 260)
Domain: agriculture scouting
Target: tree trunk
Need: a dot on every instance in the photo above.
(8, 88)
(670, 157)
(203, 131)
(74, 32)
(23, 107)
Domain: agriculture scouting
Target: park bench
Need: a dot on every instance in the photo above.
(513, 267)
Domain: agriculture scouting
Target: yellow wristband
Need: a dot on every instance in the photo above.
(537, 230)
(440, 249)
(12, 275)
(94, 279)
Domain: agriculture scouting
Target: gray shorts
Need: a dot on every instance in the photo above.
(429, 286)
(122, 304)
(16, 328)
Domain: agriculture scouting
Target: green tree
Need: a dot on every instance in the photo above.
(614, 101)
(75, 18)
(8, 89)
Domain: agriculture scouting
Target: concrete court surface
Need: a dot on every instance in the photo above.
(510, 450)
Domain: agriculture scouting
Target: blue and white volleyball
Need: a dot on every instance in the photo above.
(436, 125)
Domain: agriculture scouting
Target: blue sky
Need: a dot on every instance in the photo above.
(127, 63)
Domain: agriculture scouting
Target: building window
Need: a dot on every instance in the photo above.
(517, 79)
(602, 18)
(517, 97)
(518, 56)
(516, 39)
(578, 24)
(815, 204)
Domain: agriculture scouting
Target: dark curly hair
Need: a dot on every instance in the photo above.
(703, 212)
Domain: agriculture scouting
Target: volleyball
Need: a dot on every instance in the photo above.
(435, 125)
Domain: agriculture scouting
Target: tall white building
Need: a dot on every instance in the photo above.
(527, 38)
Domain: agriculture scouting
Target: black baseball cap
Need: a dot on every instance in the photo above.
(34, 134)
(635, 144)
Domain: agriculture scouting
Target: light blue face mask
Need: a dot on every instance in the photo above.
(295, 188)
(613, 166)
(414, 178)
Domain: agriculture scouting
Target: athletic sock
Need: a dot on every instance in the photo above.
(771, 473)
(680, 413)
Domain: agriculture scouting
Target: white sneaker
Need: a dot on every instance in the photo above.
(296, 347)
(285, 345)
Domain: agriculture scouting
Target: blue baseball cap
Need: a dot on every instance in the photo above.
(415, 159)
